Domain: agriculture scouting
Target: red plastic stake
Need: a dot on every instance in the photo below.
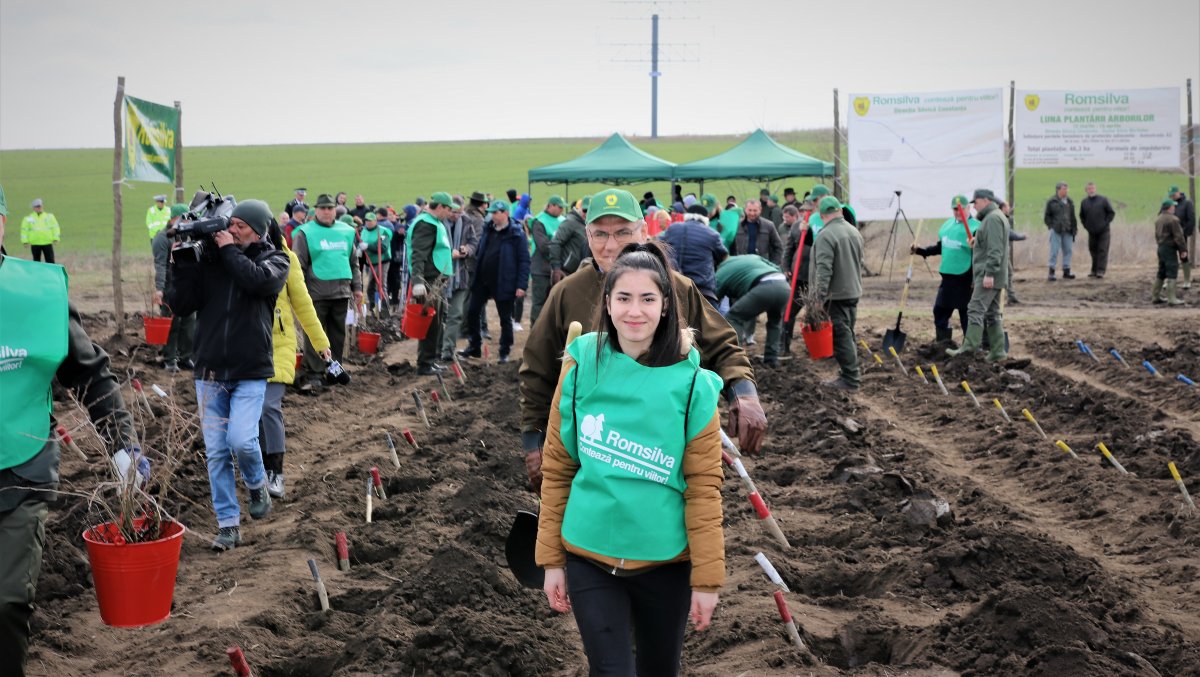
(458, 372)
(783, 607)
(66, 438)
(378, 482)
(408, 437)
(343, 551)
(768, 520)
(727, 458)
(760, 506)
(238, 660)
(486, 353)
(437, 400)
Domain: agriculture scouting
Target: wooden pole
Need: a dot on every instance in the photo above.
(837, 150)
(179, 155)
(1011, 155)
(1191, 147)
(118, 296)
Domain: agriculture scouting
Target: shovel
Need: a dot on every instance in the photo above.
(894, 338)
(521, 543)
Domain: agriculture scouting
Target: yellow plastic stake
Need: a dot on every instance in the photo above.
(877, 360)
(1108, 454)
(1028, 416)
(865, 347)
(892, 350)
(967, 387)
(999, 406)
(1066, 450)
(938, 377)
(921, 373)
(1182, 487)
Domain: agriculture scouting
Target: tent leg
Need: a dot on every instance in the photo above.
(701, 187)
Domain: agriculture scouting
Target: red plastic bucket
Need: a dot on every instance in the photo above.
(135, 582)
(417, 318)
(157, 330)
(368, 342)
(820, 341)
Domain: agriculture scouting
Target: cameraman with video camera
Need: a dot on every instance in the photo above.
(232, 282)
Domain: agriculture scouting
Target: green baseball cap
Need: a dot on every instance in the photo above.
(370, 216)
(498, 206)
(958, 201)
(773, 198)
(1168, 203)
(178, 209)
(614, 202)
(709, 201)
(556, 201)
(829, 203)
(346, 219)
(1172, 190)
(442, 198)
(585, 203)
(818, 191)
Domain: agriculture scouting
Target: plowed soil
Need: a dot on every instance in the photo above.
(1045, 564)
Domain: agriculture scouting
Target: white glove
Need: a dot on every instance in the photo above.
(362, 246)
(418, 290)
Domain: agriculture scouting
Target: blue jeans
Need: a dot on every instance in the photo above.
(1063, 242)
(229, 413)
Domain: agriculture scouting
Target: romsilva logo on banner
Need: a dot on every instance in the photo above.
(1032, 101)
(862, 104)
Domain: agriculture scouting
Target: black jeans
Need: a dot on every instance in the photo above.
(1098, 247)
(331, 313)
(953, 294)
(616, 612)
(478, 301)
(42, 250)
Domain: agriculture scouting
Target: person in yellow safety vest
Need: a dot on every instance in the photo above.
(158, 215)
(39, 232)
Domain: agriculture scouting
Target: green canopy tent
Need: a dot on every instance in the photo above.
(616, 162)
(758, 158)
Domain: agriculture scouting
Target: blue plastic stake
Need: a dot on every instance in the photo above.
(1115, 354)
(1183, 379)
(1088, 351)
(1150, 368)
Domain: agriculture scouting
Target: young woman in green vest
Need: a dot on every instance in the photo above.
(630, 524)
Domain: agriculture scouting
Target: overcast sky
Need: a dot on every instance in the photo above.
(300, 71)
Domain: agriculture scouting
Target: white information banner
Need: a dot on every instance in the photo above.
(1098, 128)
(918, 151)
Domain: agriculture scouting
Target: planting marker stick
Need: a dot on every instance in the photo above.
(1182, 486)
(1080, 346)
(996, 401)
(1183, 379)
(437, 400)
(1116, 355)
(392, 451)
(756, 500)
(1150, 368)
(765, 516)
(486, 353)
(458, 370)
(728, 445)
(66, 438)
(343, 551)
(377, 482)
(1031, 419)
(408, 437)
(141, 395)
(238, 660)
(865, 347)
(892, 350)
(790, 624)
(158, 391)
(322, 593)
(1108, 454)
(442, 382)
(370, 494)
(416, 395)
(878, 360)
(1066, 450)
(769, 570)
(921, 373)
(938, 377)
(967, 387)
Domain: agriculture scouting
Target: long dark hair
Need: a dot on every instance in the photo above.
(666, 347)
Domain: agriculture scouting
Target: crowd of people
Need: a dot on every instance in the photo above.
(672, 294)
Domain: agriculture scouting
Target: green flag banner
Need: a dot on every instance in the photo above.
(150, 131)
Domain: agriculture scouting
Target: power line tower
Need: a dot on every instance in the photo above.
(655, 46)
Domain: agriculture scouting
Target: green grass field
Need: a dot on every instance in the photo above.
(76, 184)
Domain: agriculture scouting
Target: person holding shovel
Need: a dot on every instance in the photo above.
(799, 242)
(634, 546)
(615, 220)
(1172, 249)
(375, 242)
(954, 246)
(989, 267)
(836, 275)
(430, 264)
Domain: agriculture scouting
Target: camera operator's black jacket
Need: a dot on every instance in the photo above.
(235, 296)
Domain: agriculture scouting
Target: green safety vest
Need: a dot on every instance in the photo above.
(551, 223)
(627, 431)
(376, 249)
(33, 343)
(441, 246)
(157, 219)
(729, 220)
(956, 252)
(329, 249)
(39, 229)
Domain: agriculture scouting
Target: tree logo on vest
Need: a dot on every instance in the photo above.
(614, 449)
(340, 245)
(592, 427)
(11, 359)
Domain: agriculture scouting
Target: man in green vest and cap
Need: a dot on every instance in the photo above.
(157, 215)
(325, 248)
(836, 275)
(41, 339)
(989, 267)
(430, 266)
(954, 246)
(755, 286)
(542, 229)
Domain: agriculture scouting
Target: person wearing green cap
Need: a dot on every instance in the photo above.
(755, 286)
(1172, 249)
(542, 229)
(836, 276)
(375, 243)
(1185, 211)
(774, 213)
(615, 220)
(430, 265)
(954, 293)
(177, 354)
(501, 274)
(569, 245)
(989, 267)
(157, 215)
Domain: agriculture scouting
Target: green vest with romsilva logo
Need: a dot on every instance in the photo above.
(551, 224)
(33, 343)
(329, 249)
(441, 245)
(956, 252)
(626, 430)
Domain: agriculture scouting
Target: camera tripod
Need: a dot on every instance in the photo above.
(892, 243)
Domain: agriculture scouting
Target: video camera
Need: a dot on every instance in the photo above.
(208, 214)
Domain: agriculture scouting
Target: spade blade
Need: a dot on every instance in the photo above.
(894, 338)
(519, 550)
